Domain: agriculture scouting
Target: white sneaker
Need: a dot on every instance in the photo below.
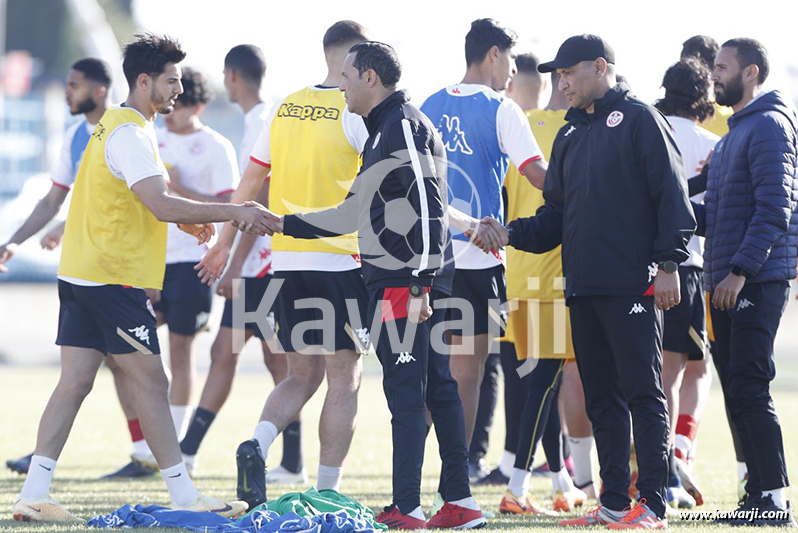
(212, 504)
(147, 460)
(283, 476)
(46, 510)
(191, 464)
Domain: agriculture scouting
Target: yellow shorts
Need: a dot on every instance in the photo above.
(541, 330)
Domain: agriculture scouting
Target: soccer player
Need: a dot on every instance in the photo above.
(704, 49)
(311, 144)
(539, 328)
(244, 71)
(202, 167)
(482, 132)
(114, 246)
(88, 87)
(686, 105)
(402, 184)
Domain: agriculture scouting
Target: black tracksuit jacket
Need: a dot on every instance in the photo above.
(616, 199)
(402, 181)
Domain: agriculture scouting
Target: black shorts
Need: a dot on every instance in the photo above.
(478, 288)
(185, 301)
(110, 318)
(333, 287)
(685, 324)
(254, 291)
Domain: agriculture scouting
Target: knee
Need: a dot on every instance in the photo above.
(223, 356)
(308, 379)
(746, 392)
(77, 386)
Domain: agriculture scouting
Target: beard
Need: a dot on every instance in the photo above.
(730, 93)
(86, 106)
(163, 104)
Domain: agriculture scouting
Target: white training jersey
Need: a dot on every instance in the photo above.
(207, 165)
(695, 143)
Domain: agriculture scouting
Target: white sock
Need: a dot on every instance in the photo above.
(468, 503)
(329, 477)
(140, 447)
(582, 452)
(683, 444)
(506, 463)
(779, 497)
(265, 433)
(519, 482)
(417, 513)
(181, 415)
(742, 470)
(181, 488)
(40, 475)
(561, 480)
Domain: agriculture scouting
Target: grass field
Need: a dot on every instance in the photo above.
(100, 443)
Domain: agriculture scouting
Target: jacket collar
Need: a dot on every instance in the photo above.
(601, 107)
(377, 115)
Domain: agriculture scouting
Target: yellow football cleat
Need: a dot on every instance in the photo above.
(46, 510)
(526, 506)
(214, 505)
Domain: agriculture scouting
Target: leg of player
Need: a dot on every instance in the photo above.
(468, 368)
(78, 369)
(291, 470)
(184, 372)
(488, 396)
(673, 365)
(580, 431)
(693, 397)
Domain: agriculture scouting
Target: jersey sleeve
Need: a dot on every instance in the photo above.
(62, 175)
(355, 130)
(262, 151)
(130, 155)
(225, 169)
(515, 135)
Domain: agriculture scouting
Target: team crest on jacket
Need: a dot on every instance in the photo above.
(615, 118)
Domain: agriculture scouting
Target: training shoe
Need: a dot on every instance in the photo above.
(130, 470)
(640, 517)
(679, 498)
(775, 515)
(251, 473)
(21, 465)
(510, 504)
(477, 470)
(741, 492)
(566, 501)
(282, 476)
(595, 516)
(46, 510)
(688, 481)
(392, 517)
(437, 504)
(495, 477)
(456, 517)
(205, 503)
(147, 460)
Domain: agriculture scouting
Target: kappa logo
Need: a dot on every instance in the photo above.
(376, 140)
(615, 118)
(202, 320)
(653, 268)
(637, 309)
(141, 333)
(363, 335)
(303, 112)
(745, 303)
(405, 357)
(453, 137)
(570, 131)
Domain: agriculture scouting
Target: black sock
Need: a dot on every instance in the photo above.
(196, 431)
(292, 447)
(673, 474)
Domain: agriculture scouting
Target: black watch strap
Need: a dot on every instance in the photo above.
(737, 271)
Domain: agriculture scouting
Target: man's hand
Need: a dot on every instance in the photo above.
(490, 235)
(154, 295)
(52, 239)
(225, 286)
(213, 263)
(7, 251)
(203, 232)
(666, 290)
(725, 295)
(704, 162)
(255, 218)
(418, 308)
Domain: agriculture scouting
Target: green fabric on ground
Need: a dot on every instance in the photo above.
(314, 502)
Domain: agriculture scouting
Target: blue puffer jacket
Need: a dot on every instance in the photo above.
(752, 191)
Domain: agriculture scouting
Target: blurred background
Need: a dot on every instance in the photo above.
(40, 39)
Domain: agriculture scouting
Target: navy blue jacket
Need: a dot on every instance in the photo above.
(751, 196)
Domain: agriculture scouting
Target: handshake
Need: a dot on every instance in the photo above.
(488, 234)
(254, 218)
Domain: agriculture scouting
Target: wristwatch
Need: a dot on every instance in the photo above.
(669, 267)
(737, 271)
(416, 290)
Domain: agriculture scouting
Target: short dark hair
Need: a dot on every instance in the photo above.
(381, 58)
(751, 52)
(527, 63)
(484, 35)
(247, 61)
(149, 54)
(342, 33)
(686, 86)
(702, 47)
(94, 69)
(196, 89)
